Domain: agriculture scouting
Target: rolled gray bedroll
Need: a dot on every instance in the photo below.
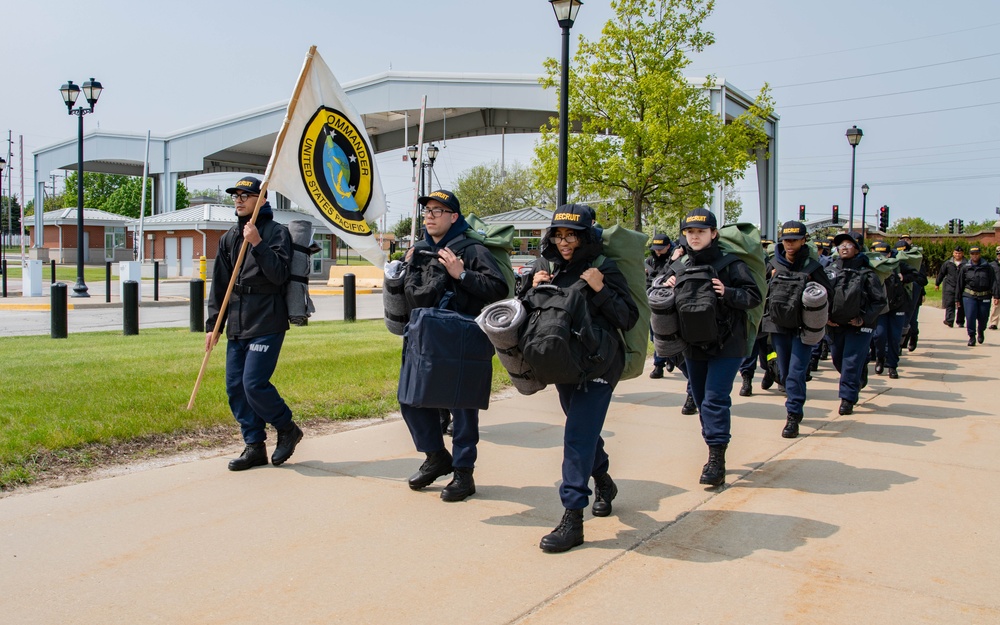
(814, 313)
(300, 305)
(393, 299)
(663, 321)
(501, 321)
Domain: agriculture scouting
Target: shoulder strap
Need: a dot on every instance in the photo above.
(723, 262)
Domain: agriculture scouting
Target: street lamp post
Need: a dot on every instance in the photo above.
(864, 207)
(566, 11)
(70, 92)
(854, 135)
(427, 165)
(3, 239)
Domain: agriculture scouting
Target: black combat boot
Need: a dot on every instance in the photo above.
(814, 363)
(254, 455)
(287, 440)
(460, 487)
(437, 464)
(444, 415)
(689, 406)
(656, 373)
(714, 471)
(893, 374)
(846, 406)
(981, 337)
(605, 490)
(913, 342)
(879, 366)
(791, 426)
(768, 380)
(972, 341)
(566, 535)
(747, 389)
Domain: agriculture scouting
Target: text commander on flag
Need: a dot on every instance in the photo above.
(326, 163)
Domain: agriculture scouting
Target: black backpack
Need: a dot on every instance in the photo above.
(559, 340)
(895, 292)
(848, 294)
(704, 321)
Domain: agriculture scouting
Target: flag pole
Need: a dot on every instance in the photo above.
(416, 184)
(253, 218)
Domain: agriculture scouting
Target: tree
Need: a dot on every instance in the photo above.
(127, 199)
(11, 226)
(488, 190)
(97, 188)
(649, 141)
(734, 205)
(402, 228)
(915, 225)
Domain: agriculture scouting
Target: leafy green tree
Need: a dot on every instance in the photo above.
(649, 140)
(402, 228)
(181, 199)
(10, 226)
(734, 205)
(487, 189)
(97, 188)
(915, 225)
(127, 199)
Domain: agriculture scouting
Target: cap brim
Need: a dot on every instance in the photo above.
(792, 237)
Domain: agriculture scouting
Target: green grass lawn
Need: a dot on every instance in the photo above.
(103, 388)
(67, 273)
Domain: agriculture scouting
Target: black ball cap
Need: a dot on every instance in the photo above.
(246, 184)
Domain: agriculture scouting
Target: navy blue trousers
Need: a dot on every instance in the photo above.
(793, 363)
(849, 351)
(583, 447)
(712, 387)
(888, 335)
(977, 312)
(425, 429)
(759, 352)
(252, 398)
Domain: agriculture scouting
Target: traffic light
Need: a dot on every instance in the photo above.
(951, 226)
(961, 226)
(883, 218)
(802, 212)
(836, 214)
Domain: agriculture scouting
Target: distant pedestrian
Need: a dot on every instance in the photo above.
(256, 321)
(858, 298)
(791, 261)
(951, 297)
(655, 265)
(995, 313)
(977, 285)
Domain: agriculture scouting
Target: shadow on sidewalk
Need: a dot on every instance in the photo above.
(906, 435)
(822, 477)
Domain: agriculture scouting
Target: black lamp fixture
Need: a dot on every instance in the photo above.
(432, 153)
(70, 92)
(566, 12)
(854, 135)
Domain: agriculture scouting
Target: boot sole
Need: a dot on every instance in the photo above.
(458, 496)
(558, 548)
(711, 483)
(427, 481)
(250, 466)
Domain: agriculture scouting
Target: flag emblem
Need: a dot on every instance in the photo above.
(336, 168)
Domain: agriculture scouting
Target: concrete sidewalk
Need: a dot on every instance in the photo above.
(885, 516)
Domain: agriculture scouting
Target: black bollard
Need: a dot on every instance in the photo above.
(350, 298)
(130, 307)
(107, 281)
(52, 264)
(3, 268)
(57, 303)
(156, 280)
(197, 305)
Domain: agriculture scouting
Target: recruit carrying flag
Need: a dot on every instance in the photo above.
(325, 163)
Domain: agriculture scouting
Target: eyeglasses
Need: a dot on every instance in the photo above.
(436, 212)
(569, 238)
(242, 196)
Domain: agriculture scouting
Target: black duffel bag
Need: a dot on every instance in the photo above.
(447, 361)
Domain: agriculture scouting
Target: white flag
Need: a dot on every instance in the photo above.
(325, 163)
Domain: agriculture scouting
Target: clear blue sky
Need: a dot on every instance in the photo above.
(884, 66)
